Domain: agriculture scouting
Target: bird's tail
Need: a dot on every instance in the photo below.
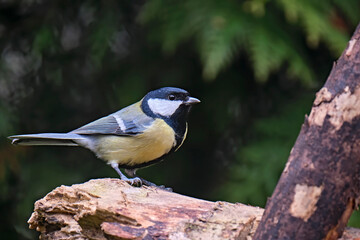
(55, 139)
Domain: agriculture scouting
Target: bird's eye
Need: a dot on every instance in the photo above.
(171, 97)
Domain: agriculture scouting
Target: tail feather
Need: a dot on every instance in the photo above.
(55, 139)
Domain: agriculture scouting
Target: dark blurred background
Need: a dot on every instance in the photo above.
(255, 64)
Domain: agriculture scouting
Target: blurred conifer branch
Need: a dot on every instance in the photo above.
(267, 31)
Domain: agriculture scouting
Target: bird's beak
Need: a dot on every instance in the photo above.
(191, 101)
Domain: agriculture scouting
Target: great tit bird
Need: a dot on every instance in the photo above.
(133, 137)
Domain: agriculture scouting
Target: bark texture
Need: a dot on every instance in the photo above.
(319, 187)
(111, 209)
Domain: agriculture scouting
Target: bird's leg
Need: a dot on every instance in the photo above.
(132, 181)
(132, 173)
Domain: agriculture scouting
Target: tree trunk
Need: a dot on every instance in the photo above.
(111, 209)
(319, 187)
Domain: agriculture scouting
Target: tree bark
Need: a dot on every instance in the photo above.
(111, 209)
(319, 187)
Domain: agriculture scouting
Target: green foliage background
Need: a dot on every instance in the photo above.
(255, 64)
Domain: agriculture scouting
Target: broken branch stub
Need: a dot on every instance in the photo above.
(320, 185)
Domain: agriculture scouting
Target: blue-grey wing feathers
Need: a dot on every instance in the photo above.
(126, 122)
(105, 125)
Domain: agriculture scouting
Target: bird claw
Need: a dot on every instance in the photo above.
(150, 184)
(169, 189)
(136, 181)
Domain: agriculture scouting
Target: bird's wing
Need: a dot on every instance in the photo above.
(128, 121)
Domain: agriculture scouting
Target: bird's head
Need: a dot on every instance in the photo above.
(168, 103)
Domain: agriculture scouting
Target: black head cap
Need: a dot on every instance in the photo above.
(166, 92)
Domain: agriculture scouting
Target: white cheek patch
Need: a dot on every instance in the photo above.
(163, 107)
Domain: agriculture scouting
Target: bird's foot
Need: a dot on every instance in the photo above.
(150, 184)
(136, 181)
(169, 189)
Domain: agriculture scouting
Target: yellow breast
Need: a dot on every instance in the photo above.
(156, 141)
